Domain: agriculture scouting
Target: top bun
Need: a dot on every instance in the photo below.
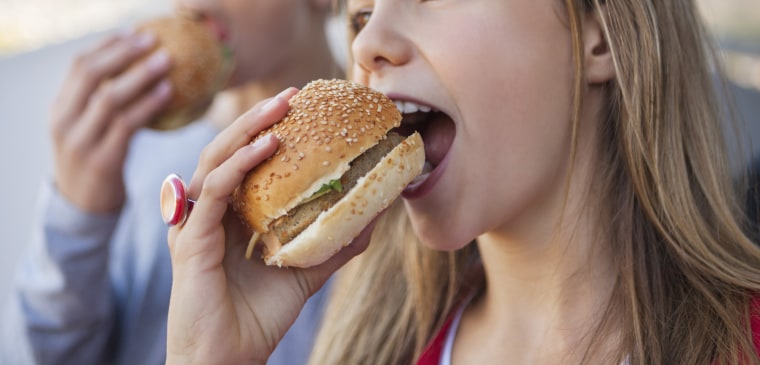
(329, 124)
(200, 67)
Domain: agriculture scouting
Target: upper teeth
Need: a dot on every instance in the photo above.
(408, 107)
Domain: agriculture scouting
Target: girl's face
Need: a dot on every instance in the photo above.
(263, 34)
(500, 73)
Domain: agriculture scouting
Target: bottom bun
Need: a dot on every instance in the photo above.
(338, 226)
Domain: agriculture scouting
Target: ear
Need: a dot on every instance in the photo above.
(597, 53)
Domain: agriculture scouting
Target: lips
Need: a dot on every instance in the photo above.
(438, 132)
(217, 29)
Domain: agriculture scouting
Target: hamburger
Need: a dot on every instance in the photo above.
(201, 65)
(339, 163)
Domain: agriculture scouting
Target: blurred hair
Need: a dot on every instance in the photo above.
(666, 206)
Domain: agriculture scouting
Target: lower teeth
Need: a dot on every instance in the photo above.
(419, 179)
(426, 169)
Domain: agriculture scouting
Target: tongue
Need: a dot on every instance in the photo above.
(438, 136)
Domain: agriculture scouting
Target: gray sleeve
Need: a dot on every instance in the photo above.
(62, 307)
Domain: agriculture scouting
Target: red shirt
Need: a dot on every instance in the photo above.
(433, 352)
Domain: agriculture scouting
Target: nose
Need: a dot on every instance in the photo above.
(381, 45)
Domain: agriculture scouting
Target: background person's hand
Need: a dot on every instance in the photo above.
(102, 103)
(224, 308)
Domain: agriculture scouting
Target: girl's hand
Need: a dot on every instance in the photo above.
(102, 103)
(224, 308)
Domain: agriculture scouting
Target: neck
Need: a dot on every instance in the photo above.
(549, 274)
(543, 298)
(564, 278)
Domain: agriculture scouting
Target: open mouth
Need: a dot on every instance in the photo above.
(437, 130)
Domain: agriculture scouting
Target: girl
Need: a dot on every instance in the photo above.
(577, 208)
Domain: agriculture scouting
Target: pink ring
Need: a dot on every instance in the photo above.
(175, 206)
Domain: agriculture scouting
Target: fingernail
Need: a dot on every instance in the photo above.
(128, 33)
(281, 96)
(263, 141)
(159, 61)
(144, 40)
(163, 89)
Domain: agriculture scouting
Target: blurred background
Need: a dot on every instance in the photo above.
(39, 37)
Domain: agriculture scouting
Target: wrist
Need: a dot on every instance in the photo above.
(173, 358)
(180, 360)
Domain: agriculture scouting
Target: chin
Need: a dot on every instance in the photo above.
(433, 233)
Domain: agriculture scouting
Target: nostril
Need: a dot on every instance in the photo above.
(380, 45)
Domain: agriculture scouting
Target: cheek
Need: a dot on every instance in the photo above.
(514, 102)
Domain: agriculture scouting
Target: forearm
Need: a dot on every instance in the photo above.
(62, 286)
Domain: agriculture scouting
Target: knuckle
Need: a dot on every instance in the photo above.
(103, 165)
(81, 64)
(211, 182)
(105, 97)
(57, 131)
(74, 148)
(85, 69)
(207, 156)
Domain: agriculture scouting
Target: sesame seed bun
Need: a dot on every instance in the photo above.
(200, 67)
(330, 123)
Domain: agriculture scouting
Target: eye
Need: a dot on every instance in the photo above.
(360, 19)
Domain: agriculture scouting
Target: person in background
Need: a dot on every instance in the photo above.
(578, 206)
(94, 286)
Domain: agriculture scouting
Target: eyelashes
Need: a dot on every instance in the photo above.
(359, 20)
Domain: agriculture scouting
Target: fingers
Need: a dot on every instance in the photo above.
(199, 233)
(126, 97)
(99, 93)
(90, 68)
(238, 134)
(123, 127)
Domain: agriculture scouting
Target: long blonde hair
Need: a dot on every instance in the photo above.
(686, 270)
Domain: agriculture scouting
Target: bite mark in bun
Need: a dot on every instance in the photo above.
(337, 166)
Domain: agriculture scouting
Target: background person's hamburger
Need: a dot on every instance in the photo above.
(336, 167)
(201, 65)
